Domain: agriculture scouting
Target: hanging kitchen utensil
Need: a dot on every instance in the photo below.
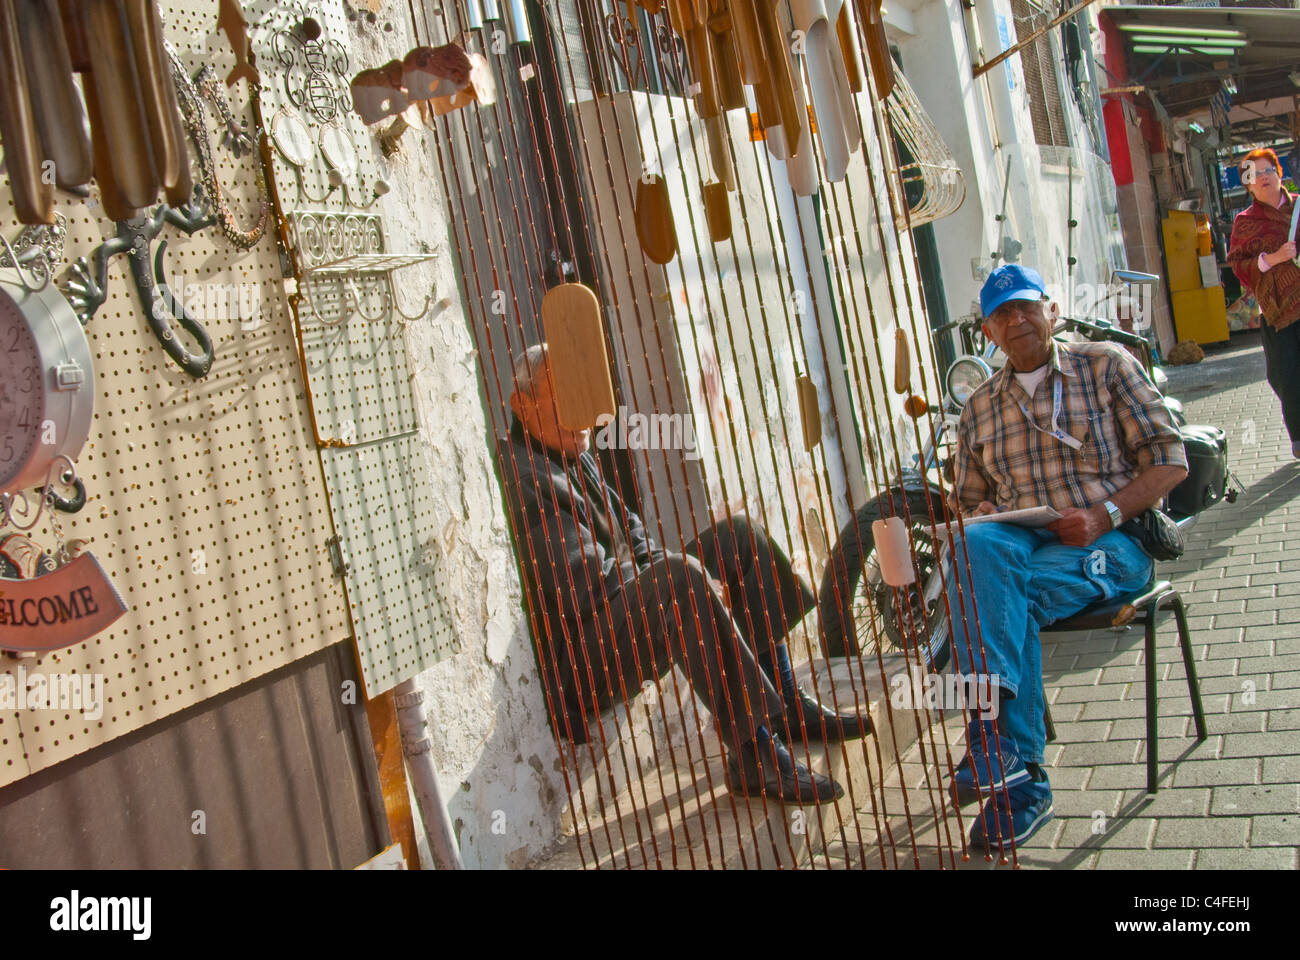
(575, 347)
(824, 71)
(849, 46)
(717, 211)
(33, 196)
(117, 119)
(654, 219)
(779, 74)
(810, 414)
(882, 63)
(56, 103)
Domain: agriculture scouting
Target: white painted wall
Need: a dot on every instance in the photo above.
(986, 124)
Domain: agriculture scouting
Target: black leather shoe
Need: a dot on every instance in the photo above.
(839, 727)
(779, 776)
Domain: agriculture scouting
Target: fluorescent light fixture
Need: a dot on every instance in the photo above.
(1208, 51)
(1195, 127)
(1190, 41)
(1180, 31)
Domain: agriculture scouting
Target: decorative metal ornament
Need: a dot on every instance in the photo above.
(195, 117)
(315, 73)
(337, 149)
(291, 137)
(38, 249)
(88, 290)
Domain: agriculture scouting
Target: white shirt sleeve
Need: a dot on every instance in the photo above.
(1264, 265)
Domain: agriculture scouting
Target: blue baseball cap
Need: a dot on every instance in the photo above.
(1010, 281)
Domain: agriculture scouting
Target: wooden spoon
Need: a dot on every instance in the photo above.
(579, 362)
(33, 196)
(654, 219)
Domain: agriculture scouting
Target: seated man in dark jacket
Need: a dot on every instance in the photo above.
(615, 610)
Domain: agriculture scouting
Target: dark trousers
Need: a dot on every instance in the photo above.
(670, 614)
(1282, 361)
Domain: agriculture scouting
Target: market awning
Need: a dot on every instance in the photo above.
(1184, 55)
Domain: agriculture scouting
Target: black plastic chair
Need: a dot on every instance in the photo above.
(1143, 608)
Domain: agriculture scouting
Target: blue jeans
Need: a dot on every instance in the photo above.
(1026, 578)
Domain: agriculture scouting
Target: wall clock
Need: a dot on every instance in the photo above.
(47, 383)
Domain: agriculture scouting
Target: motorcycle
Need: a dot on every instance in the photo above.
(863, 614)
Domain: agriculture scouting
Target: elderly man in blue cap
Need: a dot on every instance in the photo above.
(1077, 427)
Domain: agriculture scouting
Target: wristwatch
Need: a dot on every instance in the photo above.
(1116, 514)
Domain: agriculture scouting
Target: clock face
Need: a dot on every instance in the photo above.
(21, 392)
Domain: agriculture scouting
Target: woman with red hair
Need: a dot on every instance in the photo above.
(1262, 254)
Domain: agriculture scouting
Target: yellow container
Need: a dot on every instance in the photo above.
(1179, 229)
(1200, 315)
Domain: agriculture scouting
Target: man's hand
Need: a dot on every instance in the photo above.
(983, 508)
(1079, 527)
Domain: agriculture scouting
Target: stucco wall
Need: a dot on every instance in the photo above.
(496, 759)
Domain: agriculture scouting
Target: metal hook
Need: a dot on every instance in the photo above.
(311, 305)
(355, 296)
(397, 306)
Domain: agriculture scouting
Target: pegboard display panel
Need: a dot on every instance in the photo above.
(390, 532)
(207, 506)
(357, 368)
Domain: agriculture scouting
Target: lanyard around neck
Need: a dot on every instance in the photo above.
(1056, 430)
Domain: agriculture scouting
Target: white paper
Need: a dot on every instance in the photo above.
(1029, 517)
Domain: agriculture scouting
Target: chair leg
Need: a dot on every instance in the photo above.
(1189, 666)
(1153, 738)
(1047, 721)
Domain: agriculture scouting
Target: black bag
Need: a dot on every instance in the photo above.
(1158, 533)
(1207, 471)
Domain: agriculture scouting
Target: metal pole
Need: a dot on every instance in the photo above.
(1016, 48)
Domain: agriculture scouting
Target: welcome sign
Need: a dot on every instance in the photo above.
(58, 609)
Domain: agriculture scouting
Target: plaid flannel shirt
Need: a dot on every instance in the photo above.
(1106, 402)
